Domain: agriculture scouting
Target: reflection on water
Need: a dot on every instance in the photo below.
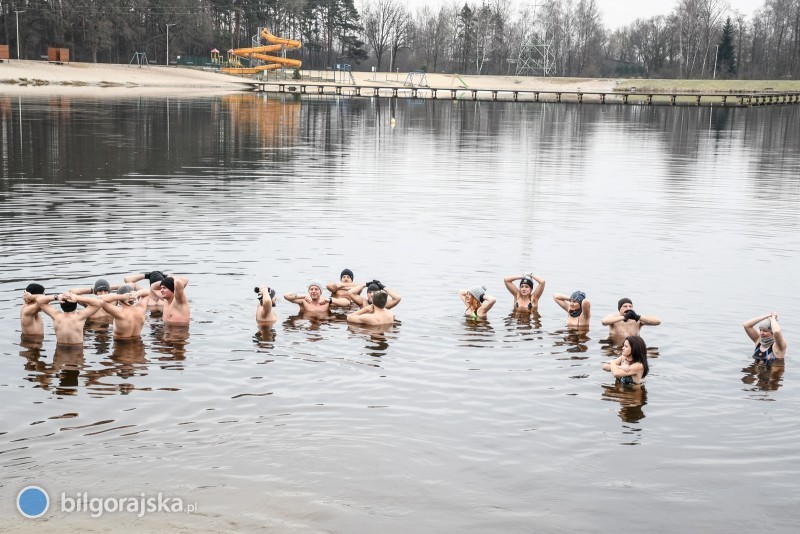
(631, 399)
(763, 379)
(436, 419)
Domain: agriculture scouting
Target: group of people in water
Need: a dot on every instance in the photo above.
(126, 304)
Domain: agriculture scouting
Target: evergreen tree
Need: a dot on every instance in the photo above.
(727, 54)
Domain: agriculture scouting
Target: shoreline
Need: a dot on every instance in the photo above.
(35, 77)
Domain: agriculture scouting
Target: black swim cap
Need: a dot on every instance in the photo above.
(347, 272)
(373, 287)
(169, 283)
(527, 281)
(155, 276)
(35, 289)
(69, 306)
(624, 301)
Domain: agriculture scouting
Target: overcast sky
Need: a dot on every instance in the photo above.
(616, 13)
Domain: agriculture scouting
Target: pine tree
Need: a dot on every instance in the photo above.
(727, 55)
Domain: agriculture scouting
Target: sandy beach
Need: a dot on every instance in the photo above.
(95, 79)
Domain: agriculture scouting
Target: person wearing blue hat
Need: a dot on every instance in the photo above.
(578, 308)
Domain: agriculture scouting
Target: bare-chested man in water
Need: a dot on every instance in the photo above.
(130, 314)
(627, 322)
(69, 323)
(374, 314)
(176, 306)
(313, 302)
(29, 317)
(154, 301)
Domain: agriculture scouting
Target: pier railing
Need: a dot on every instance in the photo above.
(738, 99)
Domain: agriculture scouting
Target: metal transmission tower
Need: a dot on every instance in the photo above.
(536, 56)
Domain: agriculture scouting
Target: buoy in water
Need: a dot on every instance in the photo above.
(392, 122)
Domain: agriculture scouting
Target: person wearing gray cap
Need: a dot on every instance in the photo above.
(129, 315)
(476, 300)
(769, 340)
(312, 302)
(578, 308)
(101, 287)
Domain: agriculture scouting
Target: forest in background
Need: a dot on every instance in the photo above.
(696, 39)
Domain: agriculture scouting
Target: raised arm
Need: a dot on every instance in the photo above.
(395, 298)
(537, 293)
(81, 291)
(750, 326)
(107, 303)
(133, 278)
(358, 317)
(265, 307)
(486, 305)
(295, 298)
(354, 293)
(92, 304)
(180, 283)
(463, 294)
(509, 281)
(562, 300)
(780, 341)
(44, 304)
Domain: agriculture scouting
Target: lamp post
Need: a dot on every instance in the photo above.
(17, 14)
(715, 61)
(168, 25)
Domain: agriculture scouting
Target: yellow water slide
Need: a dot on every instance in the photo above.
(258, 52)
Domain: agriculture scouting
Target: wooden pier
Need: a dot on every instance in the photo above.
(738, 99)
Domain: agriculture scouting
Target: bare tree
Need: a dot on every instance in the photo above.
(381, 18)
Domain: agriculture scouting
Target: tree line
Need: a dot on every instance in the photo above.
(697, 39)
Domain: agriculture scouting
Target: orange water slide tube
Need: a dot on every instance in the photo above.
(289, 43)
(257, 50)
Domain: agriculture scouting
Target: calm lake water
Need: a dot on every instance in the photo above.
(438, 424)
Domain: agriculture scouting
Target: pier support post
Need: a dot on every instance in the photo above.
(536, 96)
(698, 100)
(602, 98)
(580, 98)
(649, 100)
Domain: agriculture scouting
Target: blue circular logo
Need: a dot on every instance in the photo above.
(33, 502)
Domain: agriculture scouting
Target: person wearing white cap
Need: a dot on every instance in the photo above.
(312, 301)
(476, 300)
(769, 340)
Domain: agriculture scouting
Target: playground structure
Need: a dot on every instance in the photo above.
(260, 53)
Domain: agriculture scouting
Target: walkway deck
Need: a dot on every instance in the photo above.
(507, 95)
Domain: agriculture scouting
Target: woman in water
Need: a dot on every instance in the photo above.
(631, 367)
(525, 297)
(476, 300)
(579, 310)
(769, 340)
